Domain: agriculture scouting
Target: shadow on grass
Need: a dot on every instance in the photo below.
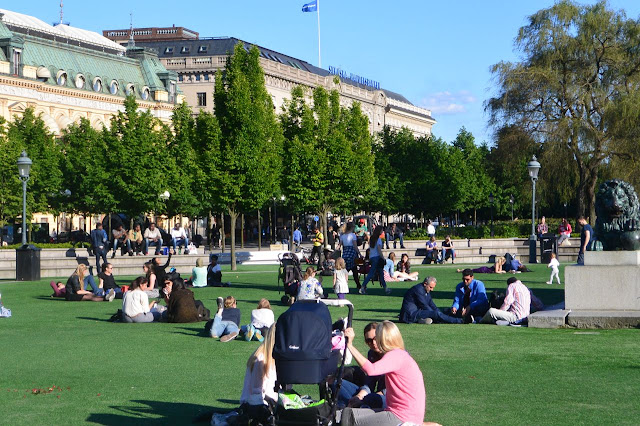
(57, 299)
(94, 319)
(155, 413)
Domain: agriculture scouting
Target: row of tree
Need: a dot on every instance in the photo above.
(571, 101)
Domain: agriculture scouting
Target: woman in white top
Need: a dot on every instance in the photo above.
(198, 275)
(349, 244)
(135, 303)
(261, 319)
(260, 376)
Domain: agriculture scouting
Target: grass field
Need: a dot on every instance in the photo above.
(115, 374)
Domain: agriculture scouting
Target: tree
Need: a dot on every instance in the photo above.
(30, 133)
(580, 65)
(10, 188)
(250, 137)
(84, 171)
(135, 152)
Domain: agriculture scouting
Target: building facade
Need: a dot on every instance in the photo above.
(196, 62)
(66, 73)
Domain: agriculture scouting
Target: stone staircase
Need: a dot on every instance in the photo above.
(62, 262)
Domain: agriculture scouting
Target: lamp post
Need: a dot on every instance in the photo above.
(24, 167)
(565, 209)
(533, 166)
(491, 199)
(511, 200)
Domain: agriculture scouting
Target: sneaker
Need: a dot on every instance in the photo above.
(259, 336)
(425, 321)
(502, 322)
(469, 319)
(186, 251)
(113, 254)
(229, 337)
(362, 290)
(220, 303)
(548, 282)
(110, 296)
(131, 253)
(248, 335)
(387, 291)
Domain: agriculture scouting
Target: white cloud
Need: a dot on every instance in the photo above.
(448, 103)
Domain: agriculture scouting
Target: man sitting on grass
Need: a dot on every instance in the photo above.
(418, 307)
(470, 299)
(515, 307)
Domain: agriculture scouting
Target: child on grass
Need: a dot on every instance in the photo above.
(341, 278)
(555, 269)
(310, 287)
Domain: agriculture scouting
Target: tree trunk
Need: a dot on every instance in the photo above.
(210, 233)
(234, 217)
(242, 231)
(259, 232)
(222, 233)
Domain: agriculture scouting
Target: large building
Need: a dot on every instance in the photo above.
(66, 73)
(196, 61)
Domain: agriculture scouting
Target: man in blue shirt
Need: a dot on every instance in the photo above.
(586, 235)
(297, 238)
(99, 242)
(418, 307)
(470, 299)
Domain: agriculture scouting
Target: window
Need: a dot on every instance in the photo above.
(206, 77)
(61, 78)
(113, 87)
(17, 58)
(168, 50)
(202, 49)
(180, 77)
(97, 85)
(144, 94)
(185, 49)
(197, 77)
(172, 91)
(202, 99)
(130, 90)
(80, 81)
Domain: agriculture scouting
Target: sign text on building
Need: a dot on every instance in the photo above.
(354, 77)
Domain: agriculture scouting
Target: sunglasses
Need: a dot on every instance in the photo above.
(369, 340)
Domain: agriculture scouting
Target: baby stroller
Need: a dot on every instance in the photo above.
(303, 355)
(290, 273)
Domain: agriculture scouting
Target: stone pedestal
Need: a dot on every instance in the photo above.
(605, 292)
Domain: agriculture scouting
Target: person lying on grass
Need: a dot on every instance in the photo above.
(225, 325)
(261, 319)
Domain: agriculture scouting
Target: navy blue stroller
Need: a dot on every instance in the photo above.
(303, 355)
(290, 273)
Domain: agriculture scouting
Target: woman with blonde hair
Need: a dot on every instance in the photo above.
(405, 385)
(74, 288)
(341, 279)
(260, 377)
(497, 268)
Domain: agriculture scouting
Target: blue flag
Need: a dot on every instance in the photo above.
(310, 7)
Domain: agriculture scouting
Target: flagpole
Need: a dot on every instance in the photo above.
(319, 57)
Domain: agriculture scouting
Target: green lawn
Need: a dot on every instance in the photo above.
(113, 374)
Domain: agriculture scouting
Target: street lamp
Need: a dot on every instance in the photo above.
(511, 200)
(24, 167)
(534, 167)
(565, 209)
(491, 199)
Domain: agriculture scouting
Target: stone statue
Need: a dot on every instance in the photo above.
(618, 216)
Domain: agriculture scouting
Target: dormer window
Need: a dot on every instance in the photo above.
(61, 78)
(168, 50)
(130, 89)
(185, 49)
(202, 49)
(17, 61)
(97, 84)
(80, 81)
(144, 93)
(113, 87)
(43, 74)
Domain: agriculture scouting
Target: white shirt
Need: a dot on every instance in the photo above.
(178, 233)
(135, 302)
(554, 264)
(431, 229)
(342, 284)
(256, 387)
(149, 234)
(262, 318)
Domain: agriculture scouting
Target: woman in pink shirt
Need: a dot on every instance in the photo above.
(405, 386)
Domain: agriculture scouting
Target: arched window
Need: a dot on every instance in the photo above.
(97, 84)
(61, 78)
(113, 87)
(80, 81)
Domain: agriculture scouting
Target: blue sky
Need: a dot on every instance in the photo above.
(436, 53)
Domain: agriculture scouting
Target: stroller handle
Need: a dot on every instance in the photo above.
(340, 302)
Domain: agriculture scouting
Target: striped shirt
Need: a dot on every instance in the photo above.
(518, 300)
